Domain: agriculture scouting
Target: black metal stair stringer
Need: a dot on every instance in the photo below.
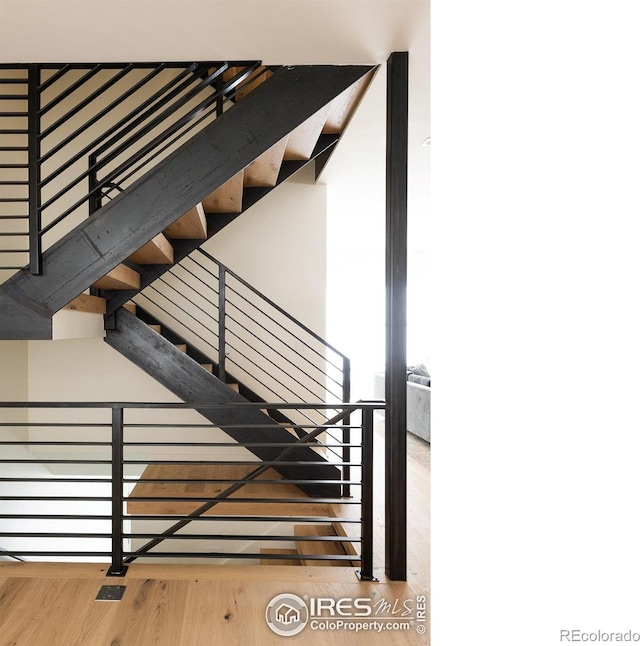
(183, 376)
(215, 223)
(164, 194)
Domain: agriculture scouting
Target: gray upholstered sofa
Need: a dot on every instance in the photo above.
(418, 400)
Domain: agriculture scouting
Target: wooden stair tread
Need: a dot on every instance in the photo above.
(155, 328)
(227, 198)
(275, 550)
(318, 548)
(264, 170)
(156, 252)
(130, 306)
(169, 472)
(207, 366)
(120, 277)
(302, 140)
(345, 104)
(234, 387)
(87, 303)
(181, 346)
(191, 226)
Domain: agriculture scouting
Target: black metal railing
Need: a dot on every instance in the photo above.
(114, 482)
(76, 134)
(247, 334)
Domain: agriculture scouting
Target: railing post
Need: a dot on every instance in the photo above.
(222, 357)
(117, 567)
(346, 423)
(33, 129)
(94, 196)
(366, 556)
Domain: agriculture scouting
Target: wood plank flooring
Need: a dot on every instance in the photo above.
(53, 604)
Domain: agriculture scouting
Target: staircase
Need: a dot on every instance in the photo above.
(268, 124)
(190, 195)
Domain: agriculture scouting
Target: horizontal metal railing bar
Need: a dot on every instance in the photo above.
(57, 516)
(274, 305)
(217, 481)
(15, 251)
(162, 280)
(231, 555)
(54, 77)
(84, 103)
(216, 444)
(219, 537)
(69, 91)
(59, 498)
(253, 500)
(14, 165)
(13, 199)
(40, 461)
(31, 443)
(132, 90)
(151, 425)
(204, 83)
(89, 64)
(343, 406)
(246, 537)
(297, 338)
(205, 462)
(14, 97)
(13, 114)
(107, 480)
(272, 363)
(232, 360)
(12, 266)
(236, 518)
(57, 424)
(288, 360)
(12, 81)
(211, 287)
(162, 309)
(204, 114)
(54, 535)
(15, 131)
(124, 126)
(195, 71)
(184, 282)
(50, 553)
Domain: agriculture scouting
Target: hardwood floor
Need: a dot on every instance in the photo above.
(53, 604)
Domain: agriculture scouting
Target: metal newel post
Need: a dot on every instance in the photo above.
(117, 567)
(346, 431)
(33, 130)
(222, 323)
(366, 573)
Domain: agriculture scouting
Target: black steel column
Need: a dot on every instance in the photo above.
(222, 323)
(396, 318)
(33, 130)
(366, 547)
(117, 567)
